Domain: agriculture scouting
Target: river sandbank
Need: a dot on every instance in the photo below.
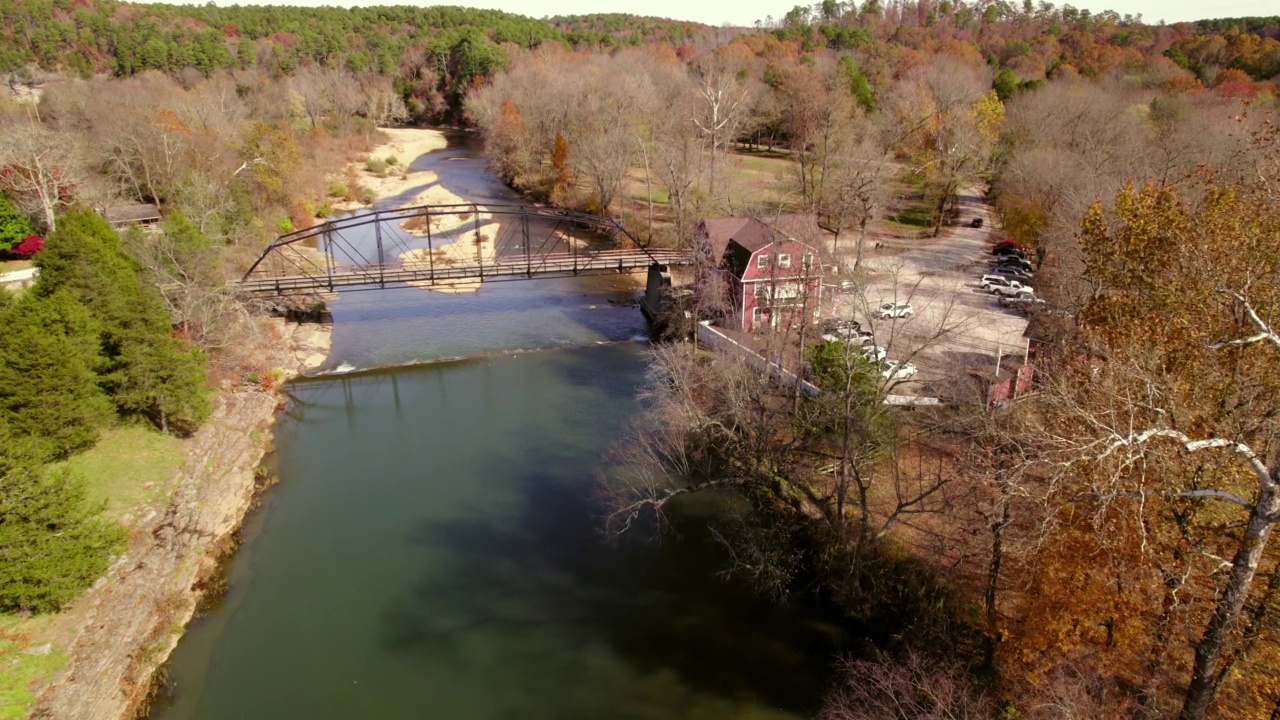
(406, 145)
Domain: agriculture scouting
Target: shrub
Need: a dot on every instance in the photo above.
(53, 542)
(29, 246)
(392, 160)
(14, 226)
(375, 166)
(338, 189)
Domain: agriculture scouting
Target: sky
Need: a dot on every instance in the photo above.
(746, 12)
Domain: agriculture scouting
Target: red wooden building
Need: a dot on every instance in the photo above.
(772, 277)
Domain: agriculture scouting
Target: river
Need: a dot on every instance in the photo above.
(432, 549)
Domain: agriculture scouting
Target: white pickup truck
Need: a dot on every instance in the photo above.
(1013, 289)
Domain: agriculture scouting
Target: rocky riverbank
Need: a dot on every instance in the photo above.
(124, 628)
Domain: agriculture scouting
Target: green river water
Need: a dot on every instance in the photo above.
(432, 549)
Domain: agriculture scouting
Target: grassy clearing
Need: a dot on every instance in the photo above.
(131, 466)
(659, 196)
(19, 667)
(913, 210)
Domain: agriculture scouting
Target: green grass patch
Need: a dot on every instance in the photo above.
(20, 668)
(767, 165)
(659, 196)
(131, 466)
(912, 217)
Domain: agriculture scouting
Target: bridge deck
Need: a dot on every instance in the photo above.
(512, 268)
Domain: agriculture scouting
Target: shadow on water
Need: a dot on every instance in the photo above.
(659, 608)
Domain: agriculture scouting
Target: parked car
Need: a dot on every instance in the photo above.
(1014, 288)
(857, 336)
(988, 281)
(1009, 250)
(1015, 262)
(1011, 272)
(1007, 243)
(1025, 300)
(875, 353)
(894, 370)
(895, 310)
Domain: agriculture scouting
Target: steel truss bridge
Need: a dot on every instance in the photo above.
(443, 245)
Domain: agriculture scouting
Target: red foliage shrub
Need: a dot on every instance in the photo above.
(29, 246)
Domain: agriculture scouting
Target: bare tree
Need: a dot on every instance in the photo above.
(723, 105)
(38, 170)
(916, 688)
(856, 189)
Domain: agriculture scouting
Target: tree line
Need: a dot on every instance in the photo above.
(435, 54)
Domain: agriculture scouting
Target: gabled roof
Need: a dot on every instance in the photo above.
(720, 230)
(733, 240)
(755, 235)
(138, 212)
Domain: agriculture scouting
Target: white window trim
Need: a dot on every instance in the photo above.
(762, 260)
(784, 260)
(807, 261)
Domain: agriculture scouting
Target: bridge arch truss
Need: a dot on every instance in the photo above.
(430, 245)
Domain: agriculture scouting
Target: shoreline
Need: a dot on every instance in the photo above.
(124, 627)
(132, 618)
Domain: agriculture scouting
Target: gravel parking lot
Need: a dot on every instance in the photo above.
(957, 326)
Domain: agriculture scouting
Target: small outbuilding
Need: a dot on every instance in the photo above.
(122, 216)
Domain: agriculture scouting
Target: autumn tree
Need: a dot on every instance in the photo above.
(1171, 416)
(945, 120)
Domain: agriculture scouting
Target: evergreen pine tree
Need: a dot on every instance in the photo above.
(49, 396)
(52, 541)
(146, 370)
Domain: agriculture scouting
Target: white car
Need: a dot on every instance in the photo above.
(894, 370)
(875, 352)
(852, 334)
(989, 281)
(895, 310)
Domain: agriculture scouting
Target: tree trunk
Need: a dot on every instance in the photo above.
(993, 569)
(862, 242)
(1227, 609)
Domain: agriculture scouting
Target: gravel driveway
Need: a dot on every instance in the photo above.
(957, 326)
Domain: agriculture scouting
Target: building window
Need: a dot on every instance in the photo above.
(784, 260)
(762, 261)
(808, 260)
(787, 291)
(756, 316)
(761, 290)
